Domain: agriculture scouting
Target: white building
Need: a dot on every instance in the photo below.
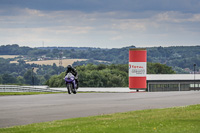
(173, 82)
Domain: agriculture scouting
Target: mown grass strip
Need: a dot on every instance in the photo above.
(26, 93)
(171, 120)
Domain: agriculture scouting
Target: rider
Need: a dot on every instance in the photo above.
(74, 72)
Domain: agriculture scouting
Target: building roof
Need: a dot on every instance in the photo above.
(151, 77)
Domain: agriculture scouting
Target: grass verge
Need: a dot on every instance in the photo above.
(184, 119)
(26, 93)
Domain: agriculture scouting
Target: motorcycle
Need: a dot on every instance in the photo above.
(71, 83)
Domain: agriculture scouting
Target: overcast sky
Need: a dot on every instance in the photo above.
(100, 23)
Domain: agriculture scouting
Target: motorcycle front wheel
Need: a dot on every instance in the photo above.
(69, 88)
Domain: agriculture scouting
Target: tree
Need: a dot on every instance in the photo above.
(8, 79)
(157, 68)
(20, 80)
(21, 62)
(28, 77)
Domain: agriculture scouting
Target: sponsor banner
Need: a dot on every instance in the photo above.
(137, 69)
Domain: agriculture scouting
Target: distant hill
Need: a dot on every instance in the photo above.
(180, 58)
(14, 50)
(67, 48)
(177, 57)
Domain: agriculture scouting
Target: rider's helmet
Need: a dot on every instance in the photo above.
(69, 67)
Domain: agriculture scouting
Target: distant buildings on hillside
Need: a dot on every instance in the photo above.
(192, 71)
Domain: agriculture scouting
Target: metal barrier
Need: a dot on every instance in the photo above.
(17, 88)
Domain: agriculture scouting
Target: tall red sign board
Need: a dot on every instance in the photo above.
(137, 68)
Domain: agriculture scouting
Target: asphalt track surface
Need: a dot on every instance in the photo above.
(27, 109)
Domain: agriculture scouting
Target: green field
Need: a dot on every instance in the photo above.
(184, 119)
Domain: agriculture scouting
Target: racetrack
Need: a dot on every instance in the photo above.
(27, 109)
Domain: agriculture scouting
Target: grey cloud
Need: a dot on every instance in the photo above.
(106, 5)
